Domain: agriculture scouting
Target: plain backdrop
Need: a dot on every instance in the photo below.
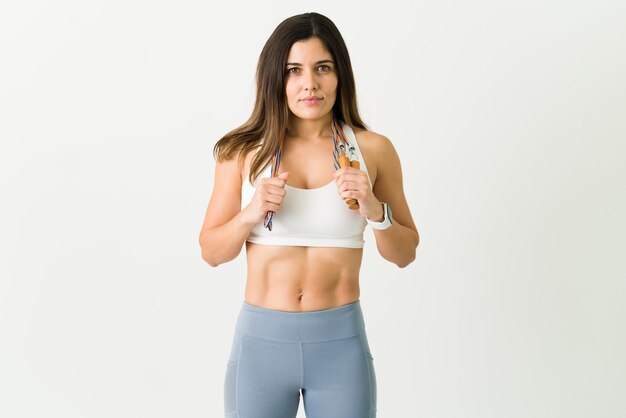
(510, 122)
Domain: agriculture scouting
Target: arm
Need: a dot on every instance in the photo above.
(224, 230)
(226, 225)
(398, 242)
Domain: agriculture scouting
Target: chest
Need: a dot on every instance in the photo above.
(310, 165)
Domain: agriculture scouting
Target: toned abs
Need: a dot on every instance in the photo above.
(291, 278)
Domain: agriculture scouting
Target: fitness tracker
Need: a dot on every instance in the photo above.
(387, 220)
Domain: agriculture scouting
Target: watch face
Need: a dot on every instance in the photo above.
(389, 211)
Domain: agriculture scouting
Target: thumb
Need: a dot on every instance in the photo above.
(285, 175)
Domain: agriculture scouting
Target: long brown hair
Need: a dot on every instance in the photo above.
(269, 118)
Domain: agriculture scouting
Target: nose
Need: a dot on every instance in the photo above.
(310, 80)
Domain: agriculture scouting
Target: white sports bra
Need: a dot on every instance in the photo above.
(311, 217)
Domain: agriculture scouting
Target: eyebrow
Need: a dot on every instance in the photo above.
(319, 62)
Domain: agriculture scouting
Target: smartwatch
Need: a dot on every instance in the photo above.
(387, 220)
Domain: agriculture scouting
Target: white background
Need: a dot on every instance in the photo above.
(510, 121)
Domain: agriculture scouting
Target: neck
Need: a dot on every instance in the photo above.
(310, 129)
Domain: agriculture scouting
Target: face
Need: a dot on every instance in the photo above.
(310, 72)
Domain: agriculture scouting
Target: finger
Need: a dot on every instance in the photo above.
(273, 184)
(346, 184)
(350, 185)
(352, 175)
(273, 198)
(271, 206)
(339, 172)
(275, 190)
(350, 193)
(278, 181)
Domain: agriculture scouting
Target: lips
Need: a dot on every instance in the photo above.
(311, 99)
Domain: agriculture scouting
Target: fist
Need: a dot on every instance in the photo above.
(268, 196)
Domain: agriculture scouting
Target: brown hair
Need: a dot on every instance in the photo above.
(271, 111)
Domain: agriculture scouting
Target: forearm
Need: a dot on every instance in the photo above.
(397, 244)
(223, 243)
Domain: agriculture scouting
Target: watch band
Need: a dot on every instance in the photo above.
(386, 222)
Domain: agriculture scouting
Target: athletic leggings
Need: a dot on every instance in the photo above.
(276, 354)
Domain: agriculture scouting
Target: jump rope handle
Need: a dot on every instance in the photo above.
(344, 162)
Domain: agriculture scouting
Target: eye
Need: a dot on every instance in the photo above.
(292, 68)
(325, 67)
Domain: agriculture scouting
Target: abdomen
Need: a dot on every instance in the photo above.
(297, 278)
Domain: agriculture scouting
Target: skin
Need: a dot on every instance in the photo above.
(295, 278)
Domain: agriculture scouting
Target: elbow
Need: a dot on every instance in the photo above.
(401, 260)
(215, 256)
(206, 255)
(406, 262)
(411, 256)
(209, 260)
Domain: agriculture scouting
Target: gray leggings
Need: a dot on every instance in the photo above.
(276, 354)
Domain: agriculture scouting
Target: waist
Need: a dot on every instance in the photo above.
(311, 326)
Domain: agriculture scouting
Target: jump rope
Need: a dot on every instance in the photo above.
(340, 160)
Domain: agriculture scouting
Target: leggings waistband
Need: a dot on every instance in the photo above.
(311, 326)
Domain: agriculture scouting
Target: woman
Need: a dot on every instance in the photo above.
(301, 327)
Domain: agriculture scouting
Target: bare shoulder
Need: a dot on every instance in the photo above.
(376, 148)
(371, 139)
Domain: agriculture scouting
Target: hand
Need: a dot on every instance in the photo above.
(268, 196)
(353, 182)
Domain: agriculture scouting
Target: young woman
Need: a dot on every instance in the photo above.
(280, 188)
